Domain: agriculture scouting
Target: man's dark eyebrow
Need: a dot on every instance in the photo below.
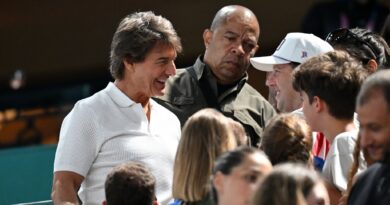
(231, 32)
(163, 58)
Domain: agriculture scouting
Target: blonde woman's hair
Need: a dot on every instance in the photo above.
(205, 136)
(239, 132)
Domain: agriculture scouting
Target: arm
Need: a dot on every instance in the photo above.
(65, 187)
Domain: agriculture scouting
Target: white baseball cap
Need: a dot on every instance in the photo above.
(295, 47)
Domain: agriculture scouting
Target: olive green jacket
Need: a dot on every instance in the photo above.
(241, 102)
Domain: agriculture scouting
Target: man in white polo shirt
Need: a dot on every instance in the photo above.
(121, 123)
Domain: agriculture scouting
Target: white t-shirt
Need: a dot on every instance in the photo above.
(320, 152)
(340, 158)
(108, 129)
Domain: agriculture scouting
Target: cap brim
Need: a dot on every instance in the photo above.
(266, 63)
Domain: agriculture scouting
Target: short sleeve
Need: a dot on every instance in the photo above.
(79, 142)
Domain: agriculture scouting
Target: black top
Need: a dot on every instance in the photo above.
(372, 187)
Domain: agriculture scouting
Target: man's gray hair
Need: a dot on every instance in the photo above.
(136, 36)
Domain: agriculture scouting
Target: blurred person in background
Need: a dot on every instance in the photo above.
(288, 138)
(292, 184)
(367, 47)
(237, 174)
(206, 135)
(130, 183)
(373, 107)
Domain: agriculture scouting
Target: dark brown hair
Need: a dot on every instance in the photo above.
(335, 78)
(130, 183)
(136, 36)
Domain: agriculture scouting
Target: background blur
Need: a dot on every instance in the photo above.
(53, 53)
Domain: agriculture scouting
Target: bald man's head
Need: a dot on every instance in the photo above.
(230, 11)
(230, 42)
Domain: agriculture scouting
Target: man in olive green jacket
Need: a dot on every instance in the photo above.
(218, 79)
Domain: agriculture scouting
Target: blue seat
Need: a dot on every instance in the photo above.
(26, 174)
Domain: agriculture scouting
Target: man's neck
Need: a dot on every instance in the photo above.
(333, 127)
(133, 94)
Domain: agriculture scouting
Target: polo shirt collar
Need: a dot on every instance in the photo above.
(118, 96)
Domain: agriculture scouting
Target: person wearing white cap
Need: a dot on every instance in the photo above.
(292, 51)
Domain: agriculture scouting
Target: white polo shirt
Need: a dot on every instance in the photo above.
(108, 129)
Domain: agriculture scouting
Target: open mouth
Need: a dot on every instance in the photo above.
(160, 83)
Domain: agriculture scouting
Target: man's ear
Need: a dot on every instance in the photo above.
(128, 64)
(319, 104)
(372, 65)
(207, 37)
(218, 182)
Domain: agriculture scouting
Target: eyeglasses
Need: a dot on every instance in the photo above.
(342, 34)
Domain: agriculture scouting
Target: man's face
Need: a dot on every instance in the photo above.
(270, 83)
(310, 113)
(374, 118)
(287, 99)
(149, 76)
(230, 46)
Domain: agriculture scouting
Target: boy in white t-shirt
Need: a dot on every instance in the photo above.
(329, 84)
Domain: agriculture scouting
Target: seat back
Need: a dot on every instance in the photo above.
(26, 174)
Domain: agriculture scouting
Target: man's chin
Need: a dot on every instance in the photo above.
(159, 93)
(375, 155)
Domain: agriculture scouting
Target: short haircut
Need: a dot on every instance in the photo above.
(205, 136)
(335, 78)
(136, 35)
(287, 138)
(288, 183)
(130, 183)
(377, 82)
(224, 13)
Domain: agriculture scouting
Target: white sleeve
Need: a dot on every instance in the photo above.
(78, 144)
(337, 166)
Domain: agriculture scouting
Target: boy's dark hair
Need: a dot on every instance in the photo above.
(130, 183)
(335, 78)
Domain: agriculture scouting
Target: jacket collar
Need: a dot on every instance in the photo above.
(201, 68)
